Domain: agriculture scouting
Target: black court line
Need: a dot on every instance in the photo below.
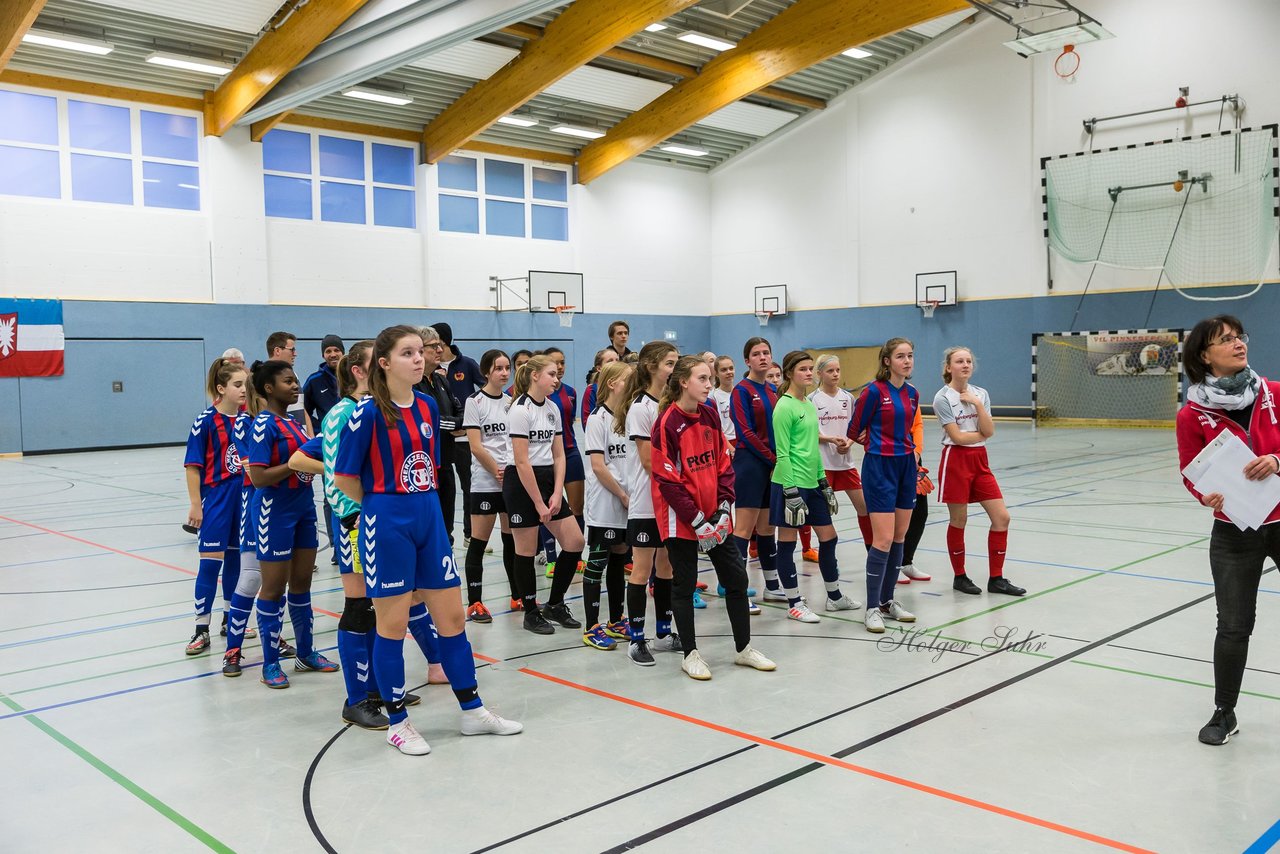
(735, 800)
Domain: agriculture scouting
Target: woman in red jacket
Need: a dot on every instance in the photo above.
(1226, 394)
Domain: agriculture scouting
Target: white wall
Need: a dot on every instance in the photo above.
(935, 164)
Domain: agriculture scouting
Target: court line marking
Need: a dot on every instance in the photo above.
(183, 570)
(1266, 841)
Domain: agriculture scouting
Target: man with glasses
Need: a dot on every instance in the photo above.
(283, 347)
(435, 386)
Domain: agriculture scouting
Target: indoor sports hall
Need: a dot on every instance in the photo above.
(299, 299)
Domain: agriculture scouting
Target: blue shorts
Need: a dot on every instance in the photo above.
(573, 471)
(403, 544)
(751, 484)
(889, 483)
(342, 546)
(248, 526)
(819, 512)
(220, 528)
(286, 520)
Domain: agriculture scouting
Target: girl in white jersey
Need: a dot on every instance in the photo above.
(634, 419)
(835, 411)
(533, 491)
(606, 509)
(964, 477)
(724, 373)
(485, 420)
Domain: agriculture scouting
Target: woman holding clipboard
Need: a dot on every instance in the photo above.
(1226, 394)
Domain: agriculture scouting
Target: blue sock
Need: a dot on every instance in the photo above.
(230, 574)
(424, 632)
(372, 685)
(388, 663)
(829, 568)
(743, 545)
(238, 618)
(269, 624)
(662, 615)
(876, 561)
(460, 667)
(787, 576)
(548, 541)
(353, 656)
(206, 587)
(302, 618)
(767, 549)
(890, 580)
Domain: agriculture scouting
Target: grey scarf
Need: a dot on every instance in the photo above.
(1234, 392)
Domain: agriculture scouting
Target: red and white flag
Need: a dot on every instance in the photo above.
(31, 339)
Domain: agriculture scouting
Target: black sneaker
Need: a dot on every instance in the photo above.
(560, 613)
(286, 651)
(231, 662)
(536, 623)
(1220, 727)
(223, 630)
(638, 651)
(366, 714)
(1001, 584)
(965, 585)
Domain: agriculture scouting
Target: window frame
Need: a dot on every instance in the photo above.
(482, 197)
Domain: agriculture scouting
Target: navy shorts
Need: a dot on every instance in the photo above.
(751, 484)
(248, 526)
(285, 520)
(889, 483)
(573, 471)
(403, 544)
(819, 512)
(220, 527)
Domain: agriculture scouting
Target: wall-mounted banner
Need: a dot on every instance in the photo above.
(31, 340)
(1133, 354)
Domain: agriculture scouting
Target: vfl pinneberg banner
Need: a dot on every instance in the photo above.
(1133, 354)
(31, 340)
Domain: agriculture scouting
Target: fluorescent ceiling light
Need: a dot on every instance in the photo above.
(655, 28)
(378, 96)
(52, 39)
(517, 121)
(581, 133)
(706, 41)
(1054, 40)
(858, 53)
(686, 150)
(190, 63)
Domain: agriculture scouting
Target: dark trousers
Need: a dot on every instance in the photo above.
(328, 526)
(1235, 559)
(462, 468)
(448, 487)
(731, 572)
(919, 517)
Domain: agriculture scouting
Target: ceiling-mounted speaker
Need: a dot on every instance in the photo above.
(723, 8)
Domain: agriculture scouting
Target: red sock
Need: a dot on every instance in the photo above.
(955, 548)
(864, 524)
(997, 543)
(806, 542)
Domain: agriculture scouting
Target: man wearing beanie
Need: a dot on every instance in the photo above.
(319, 394)
(464, 378)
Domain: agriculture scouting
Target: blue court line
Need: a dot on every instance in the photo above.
(1266, 841)
(92, 554)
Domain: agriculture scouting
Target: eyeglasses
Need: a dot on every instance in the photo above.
(290, 349)
(1228, 340)
(436, 346)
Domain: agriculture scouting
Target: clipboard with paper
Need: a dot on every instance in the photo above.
(1219, 467)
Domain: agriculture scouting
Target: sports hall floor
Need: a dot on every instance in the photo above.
(1085, 739)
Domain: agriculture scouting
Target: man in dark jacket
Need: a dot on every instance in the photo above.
(319, 394)
(464, 378)
(434, 386)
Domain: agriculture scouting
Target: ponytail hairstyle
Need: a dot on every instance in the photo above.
(221, 370)
(347, 381)
(789, 364)
(593, 374)
(650, 356)
(524, 375)
(606, 377)
(882, 369)
(265, 374)
(489, 359)
(752, 343)
(684, 369)
(946, 361)
(379, 390)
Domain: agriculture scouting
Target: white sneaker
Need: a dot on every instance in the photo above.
(910, 571)
(753, 609)
(405, 738)
(696, 667)
(802, 613)
(540, 559)
(844, 603)
(754, 658)
(774, 596)
(670, 643)
(897, 612)
(873, 621)
(481, 721)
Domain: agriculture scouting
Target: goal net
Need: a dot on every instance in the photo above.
(1120, 378)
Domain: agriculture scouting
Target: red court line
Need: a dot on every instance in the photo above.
(848, 766)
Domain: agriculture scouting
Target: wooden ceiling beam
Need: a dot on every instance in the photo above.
(805, 33)
(262, 127)
(16, 17)
(579, 34)
(275, 55)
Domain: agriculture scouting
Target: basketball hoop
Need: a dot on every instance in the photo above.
(763, 317)
(565, 313)
(1067, 63)
(927, 307)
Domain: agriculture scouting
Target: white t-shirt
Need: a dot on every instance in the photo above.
(640, 418)
(834, 414)
(489, 416)
(537, 422)
(604, 509)
(949, 409)
(722, 400)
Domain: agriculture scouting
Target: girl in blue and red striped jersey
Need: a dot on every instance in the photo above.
(283, 512)
(881, 423)
(751, 408)
(213, 483)
(387, 462)
(590, 394)
(692, 491)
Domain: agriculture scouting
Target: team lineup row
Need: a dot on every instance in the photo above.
(679, 461)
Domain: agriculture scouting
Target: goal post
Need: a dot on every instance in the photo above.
(1107, 378)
